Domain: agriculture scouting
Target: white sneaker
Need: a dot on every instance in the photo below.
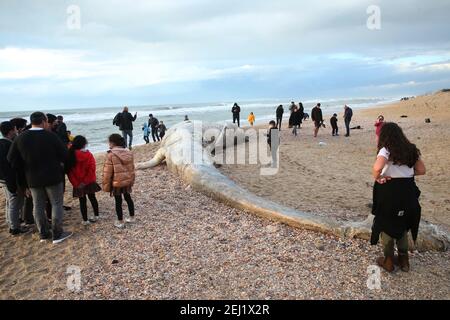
(94, 219)
(85, 223)
(119, 224)
(130, 219)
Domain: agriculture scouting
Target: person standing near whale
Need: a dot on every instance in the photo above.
(124, 120)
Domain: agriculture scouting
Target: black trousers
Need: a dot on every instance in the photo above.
(155, 135)
(347, 126)
(83, 205)
(162, 134)
(146, 139)
(130, 203)
(279, 119)
(28, 211)
(335, 131)
(236, 118)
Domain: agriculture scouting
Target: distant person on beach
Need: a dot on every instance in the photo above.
(41, 154)
(14, 196)
(292, 106)
(272, 127)
(61, 130)
(301, 110)
(395, 195)
(279, 113)
(334, 125)
(378, 125)
(124, 120)
(251, 118)
(162, 129)
(295, 119)
(316, 116)
(186, 118)
(81, 170)
(153, 124)
(119, 176)
(236, 110)
(146, 131)
(348, 114)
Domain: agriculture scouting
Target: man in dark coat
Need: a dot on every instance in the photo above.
(279, 113)
(14, 196)
(124, 120)
(61, 130)
(41, 155)
(348, 114)
(153, 123)
(236, 110)
(316, 116)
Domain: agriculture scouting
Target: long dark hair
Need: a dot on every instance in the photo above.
(402, 151)
(78, 143)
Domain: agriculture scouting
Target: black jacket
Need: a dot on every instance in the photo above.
(236, 109)
(348, 114)
(124, 120)
(296, 118)
(396, 208)
(40, 154)
(153, 123)
(279, 112)
(7, 173)
(333, 122)
(316, 114)
(61, 131)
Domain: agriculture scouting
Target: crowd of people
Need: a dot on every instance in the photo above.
(298, 115)
(36, 158)
(34, 161)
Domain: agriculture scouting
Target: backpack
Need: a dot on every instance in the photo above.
(117, 119)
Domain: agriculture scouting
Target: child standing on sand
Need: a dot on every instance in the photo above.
(119, 176)
(251, 118)
(146, 130)
(81, 170)
(378, 125)
(334, 126)
(395, 196)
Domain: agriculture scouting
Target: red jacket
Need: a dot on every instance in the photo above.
(84, 170)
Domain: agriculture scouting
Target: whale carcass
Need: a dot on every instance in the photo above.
(189, 149)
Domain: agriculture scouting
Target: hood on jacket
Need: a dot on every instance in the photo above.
(82, 156)
(125, 156)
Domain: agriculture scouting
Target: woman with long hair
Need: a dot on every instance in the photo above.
(395, 196)
(81, 170)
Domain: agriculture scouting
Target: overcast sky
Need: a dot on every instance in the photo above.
(166, 51)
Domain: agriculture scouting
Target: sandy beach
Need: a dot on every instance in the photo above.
(186, 246)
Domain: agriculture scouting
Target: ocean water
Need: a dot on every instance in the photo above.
(96, 123)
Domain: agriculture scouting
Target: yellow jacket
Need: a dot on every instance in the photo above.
(251, 118)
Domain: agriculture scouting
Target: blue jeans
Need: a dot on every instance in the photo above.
(125, 134)
(14, 206)
(55, 194)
